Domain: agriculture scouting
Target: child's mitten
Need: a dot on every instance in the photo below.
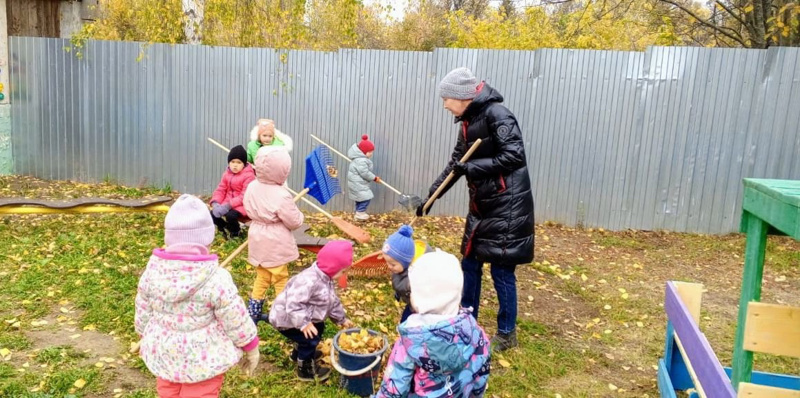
(222, 210)
(250, 361)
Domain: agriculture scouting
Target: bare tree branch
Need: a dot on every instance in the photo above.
(706, 23)
(724, 7)
(549, 3)
(578, 27)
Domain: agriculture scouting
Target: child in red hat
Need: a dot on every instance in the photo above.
(359, 175)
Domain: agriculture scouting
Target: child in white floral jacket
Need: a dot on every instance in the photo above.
(193, 324)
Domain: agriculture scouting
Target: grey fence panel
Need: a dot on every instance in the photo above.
(653, 140)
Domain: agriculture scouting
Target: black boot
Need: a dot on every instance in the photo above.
(317, 354)
(504, 341)
(308, 370)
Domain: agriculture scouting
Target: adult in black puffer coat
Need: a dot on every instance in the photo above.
(499, 227)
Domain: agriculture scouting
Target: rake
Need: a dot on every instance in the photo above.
(373, 264)
(409, 202)
(322, 180)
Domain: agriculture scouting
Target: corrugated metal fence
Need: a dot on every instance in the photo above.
(653, 140)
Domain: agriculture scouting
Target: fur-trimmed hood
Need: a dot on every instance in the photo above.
(287, 141)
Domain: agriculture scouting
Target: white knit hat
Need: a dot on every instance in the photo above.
(188, 221)
(460, 84)
(436, 281)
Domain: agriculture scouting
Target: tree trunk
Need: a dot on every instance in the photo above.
(507, 6)
(758, 25)
(193, 23)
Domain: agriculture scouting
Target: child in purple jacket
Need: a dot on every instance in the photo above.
(300, 310)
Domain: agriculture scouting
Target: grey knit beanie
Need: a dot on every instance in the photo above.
(460, 83)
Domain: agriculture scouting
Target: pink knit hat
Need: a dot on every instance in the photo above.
(188, 221)
(335, 256)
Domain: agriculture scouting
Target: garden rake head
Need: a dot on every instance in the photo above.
(372, 265)
(322, 180)
(410, 202)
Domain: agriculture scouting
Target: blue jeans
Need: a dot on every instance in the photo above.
(505, 284)
(362, 206)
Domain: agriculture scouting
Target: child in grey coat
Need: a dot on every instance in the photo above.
(359, 175)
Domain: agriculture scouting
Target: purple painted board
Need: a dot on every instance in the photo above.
(705, 363)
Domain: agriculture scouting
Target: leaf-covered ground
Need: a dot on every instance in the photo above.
(591, 319)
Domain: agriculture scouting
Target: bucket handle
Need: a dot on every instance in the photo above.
(345, 372)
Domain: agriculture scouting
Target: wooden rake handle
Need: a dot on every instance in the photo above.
(395, 190)
(310, 203)
(233, 255)
(447, 180)
(244, 244)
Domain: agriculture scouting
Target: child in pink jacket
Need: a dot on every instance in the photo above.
(271, 244)
(226, 204)
(299, 312)
(191, 319)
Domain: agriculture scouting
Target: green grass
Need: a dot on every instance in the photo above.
(13, 340)
(779, 258)
(93, 263)
(622, 242)
(58, 355)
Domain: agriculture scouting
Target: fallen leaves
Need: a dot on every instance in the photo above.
(504, 363)
(361, 342)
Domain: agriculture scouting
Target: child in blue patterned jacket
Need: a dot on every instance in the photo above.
(441, 350)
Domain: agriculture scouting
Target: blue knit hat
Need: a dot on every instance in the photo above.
(400, 246)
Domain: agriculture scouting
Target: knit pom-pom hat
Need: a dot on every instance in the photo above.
(366, 145)
(400, 246)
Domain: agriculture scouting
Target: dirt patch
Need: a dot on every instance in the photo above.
(96, 348)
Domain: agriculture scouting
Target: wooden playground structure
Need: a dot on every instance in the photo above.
(689, 362)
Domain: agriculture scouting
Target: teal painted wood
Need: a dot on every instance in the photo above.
(777, 202)
(664, 382)
(767, 204)
(788, 382)
(751, 291)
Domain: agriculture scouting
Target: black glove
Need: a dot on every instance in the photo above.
(460, 168)
(421, 206)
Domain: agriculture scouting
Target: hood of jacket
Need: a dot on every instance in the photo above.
(354, 152)
(446, 344)
(176, 277)
(273, 165)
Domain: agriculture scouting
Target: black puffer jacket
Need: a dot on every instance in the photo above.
(499, 225)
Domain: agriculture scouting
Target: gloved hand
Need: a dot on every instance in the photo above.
(460, 169)
(250, 361)
(221, 210)
(377, 179)
(421, 206)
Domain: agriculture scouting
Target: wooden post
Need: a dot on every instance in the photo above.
(756, 245)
